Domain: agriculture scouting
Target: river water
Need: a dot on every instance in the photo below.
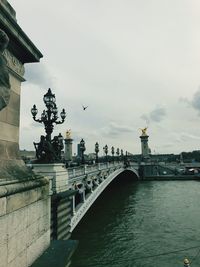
(132, 222)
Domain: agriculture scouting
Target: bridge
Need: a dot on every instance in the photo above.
(83, 185)
(73, 190)
(90, 182)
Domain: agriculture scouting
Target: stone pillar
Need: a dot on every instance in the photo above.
(20, 50)
(145, 151)
(68, 149)
(24, 197)
(56, 172)
(144, 145)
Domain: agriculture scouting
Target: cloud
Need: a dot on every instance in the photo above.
(115, 130)
(38, 74)
(185, 100)
(184, 137)
(196, 101)
(156, 115)
(188, 136)
(93, 66)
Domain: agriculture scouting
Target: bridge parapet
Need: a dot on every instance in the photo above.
(91, 169)
(61, 178)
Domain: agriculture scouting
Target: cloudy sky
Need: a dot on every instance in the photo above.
(135, 63)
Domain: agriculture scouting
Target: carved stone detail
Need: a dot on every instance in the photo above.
(13, 63)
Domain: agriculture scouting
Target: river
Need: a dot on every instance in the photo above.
(132, 222)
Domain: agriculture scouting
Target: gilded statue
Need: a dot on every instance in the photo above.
(4, 74)
(144, 131)
(68, 134)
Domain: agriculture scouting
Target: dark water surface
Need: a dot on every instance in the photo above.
(133, 220)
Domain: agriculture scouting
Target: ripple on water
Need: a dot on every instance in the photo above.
(136, 220)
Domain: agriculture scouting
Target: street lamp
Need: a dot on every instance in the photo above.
(61, 146)
(126, 161)
(112, 152)
(48, 150)
(106, 151)
(122, 154)
(117, 153)
(97, 151)
(82, 149)
(49, 116)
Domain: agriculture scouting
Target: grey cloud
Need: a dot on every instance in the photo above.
(156, 115)
(188, 136)
(115, 130)
(39, 75)
(184, 100)
(196, 101)
(184, 137)
(145, 118)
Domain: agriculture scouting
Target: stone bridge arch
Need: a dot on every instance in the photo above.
(128, 173)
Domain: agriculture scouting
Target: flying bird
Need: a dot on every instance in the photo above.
(84, 107)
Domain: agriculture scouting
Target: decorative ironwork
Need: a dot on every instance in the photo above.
(97, 151)
(82, 150)
(113, 152)
(48, 149)
(106, 152)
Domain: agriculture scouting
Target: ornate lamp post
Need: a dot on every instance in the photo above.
(97, 151)
(49, 116)
(126, 161)
(82, 149)
(122, 154)
(117, 152)
(48, 150)
(112, 152)
(61, 146)
(106, 151)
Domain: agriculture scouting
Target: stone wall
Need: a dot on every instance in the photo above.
(24, 222)
(20, 50)
(24, 197)
(9, 119)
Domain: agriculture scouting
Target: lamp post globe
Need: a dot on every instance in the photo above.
(49, 98)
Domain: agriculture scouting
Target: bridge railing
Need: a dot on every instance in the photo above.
(86, 169)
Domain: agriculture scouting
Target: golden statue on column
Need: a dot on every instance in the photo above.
(68, 134)
(144, 131)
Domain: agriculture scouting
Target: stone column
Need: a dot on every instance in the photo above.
(68, 149)
(145, 151)
(24, 197)
(20, 50)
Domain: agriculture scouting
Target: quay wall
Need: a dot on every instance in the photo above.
(24, 222)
